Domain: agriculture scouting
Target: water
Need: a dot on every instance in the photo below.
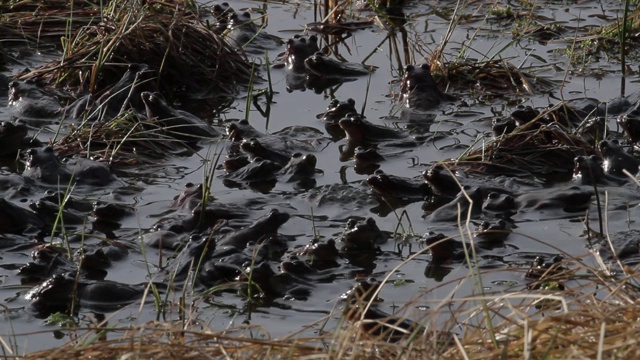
(481, 38)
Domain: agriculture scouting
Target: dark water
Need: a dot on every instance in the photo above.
(478, 37)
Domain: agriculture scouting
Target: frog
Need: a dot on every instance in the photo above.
(361, 240)
(495, 232)
(243, 33)
(17, 220)
(316, 255)
(61, 291)
(321, 65)
(616, 160)
(299, 168)
(30, 102)
(177, 123)
(274, 285)
(190, 197)
(336, 111)
(263, 227)
(570, 199)
(460, 207)
(589, 171)
(51, 213)
(419, 89)
(298, 48)
(361, 131)
(259, 174)
(255, 149)
(500, 205)
(121, 97)
(396, 187)
(44, 165)
(13, 137)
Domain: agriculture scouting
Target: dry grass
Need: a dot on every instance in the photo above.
(492, 77)
(187, 57)
(124, 141)
(547, 151)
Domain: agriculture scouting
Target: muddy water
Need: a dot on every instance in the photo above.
(480, 37)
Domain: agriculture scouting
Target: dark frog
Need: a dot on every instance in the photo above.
(298, 49)
(361, 240)
(255, 149)
(29, 101)
(336, 111)
(493, 232)
(13, 137)
(243, 33)
(16, 220)
(393, 186)
(589, 171)
(361, 131)
(420, 90)
(319, 64)
(180, 124)
(616, 160)
(59, 293)
(300, 167)
(44, 165)
(362, 236)
(262, 228)
(259, 173)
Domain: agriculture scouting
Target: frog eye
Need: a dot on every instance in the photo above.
(351, 102)
(409, 68)
(334, 103)
(425, 67)
(243, 122)
(493, 195)
(370, 222)
(313, 38)
(296, 155)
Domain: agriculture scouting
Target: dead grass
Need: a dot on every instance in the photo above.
(188, 58)
(546, 151)
(495, 77)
